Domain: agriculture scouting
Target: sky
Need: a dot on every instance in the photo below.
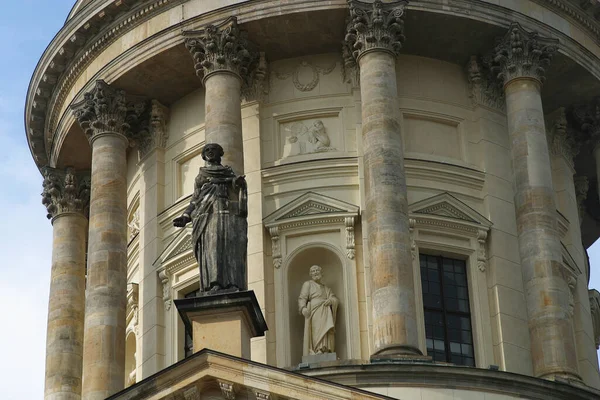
(26, 28)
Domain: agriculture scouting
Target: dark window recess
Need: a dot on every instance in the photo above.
(188, 346)
(447, 315)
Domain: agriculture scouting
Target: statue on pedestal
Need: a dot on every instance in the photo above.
(218, 211)
(318, 305)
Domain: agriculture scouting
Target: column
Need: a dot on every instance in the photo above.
(374, 38)
(520, 59)
(66, 197)
(223, 58)
(151, 358)
(108, 121)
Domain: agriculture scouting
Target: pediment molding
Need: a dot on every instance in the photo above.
(445, 207)
(311, 209)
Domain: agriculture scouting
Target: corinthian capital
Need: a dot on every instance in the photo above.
(375, 25)
(561, 140)
(65, 191)
(522, 54)
(221, 47)
(158, 133)
(106, 109)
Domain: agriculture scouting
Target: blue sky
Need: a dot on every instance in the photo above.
(26, 28)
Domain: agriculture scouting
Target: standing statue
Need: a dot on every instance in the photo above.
(318, 305)
(218, 211)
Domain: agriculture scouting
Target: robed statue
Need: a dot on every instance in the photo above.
(318, 305)
(218, 211)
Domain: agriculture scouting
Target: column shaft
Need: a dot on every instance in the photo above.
(64, 343)
(547, 293)
(392, 287)
(106, 301)
(223, 119)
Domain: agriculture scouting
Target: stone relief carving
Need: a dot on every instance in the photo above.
(306, 138)
(275, 249)
(158, 132)
(65, 191)
(484, 89)
(133, 305)
(481, 253)
(318, 305)
(582, 186)
(561, 142)
(594, 297)
(413, 244)
(522, 54)
(350, 243)
(133, 223)
(588, 118)
(314, 71)
(165, 279)
(227, 389)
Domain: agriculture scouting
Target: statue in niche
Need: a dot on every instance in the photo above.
(218, 211)
(305, 140)
(318, 305)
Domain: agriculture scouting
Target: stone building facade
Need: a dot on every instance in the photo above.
(437, 158)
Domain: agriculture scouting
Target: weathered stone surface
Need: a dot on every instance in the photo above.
(375, 34)
(64, 342)
(218, 211)
(522, 57)
(109, 122)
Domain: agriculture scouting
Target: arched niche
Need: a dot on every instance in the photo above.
(130, 359)
(333, 277)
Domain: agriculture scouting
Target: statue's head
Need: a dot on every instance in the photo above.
(318, 124)
(212, 153)
(316, 273)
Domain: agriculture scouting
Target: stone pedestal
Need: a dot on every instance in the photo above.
(223, 322)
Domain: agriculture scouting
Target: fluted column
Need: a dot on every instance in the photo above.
(66, 197)
(374, 38)
(224, 59)
(109, 122)
(520, 59)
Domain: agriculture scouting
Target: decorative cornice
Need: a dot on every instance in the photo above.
(484, 89)
(222, 47)
(65, 191)
(522, 54)
(561, 141)
(158, 134)
(373, 26)
(107, 109)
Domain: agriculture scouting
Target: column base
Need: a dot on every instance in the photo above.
(400, 354)
(224, 321)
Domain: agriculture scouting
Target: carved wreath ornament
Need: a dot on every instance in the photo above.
(316, 73)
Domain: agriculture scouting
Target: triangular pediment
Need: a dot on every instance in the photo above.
(180, 245)
(311, 205)
(446, 206)
(209, 373)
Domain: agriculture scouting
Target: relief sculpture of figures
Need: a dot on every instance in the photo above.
(307, 139)
(218, 211)
(318, 305)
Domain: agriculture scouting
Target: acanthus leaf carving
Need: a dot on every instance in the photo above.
(65, 191)
(522, 54)
(375, 25)
(223, 47)
(107, 109)
(484, 89)
(227, 389)
(481, 252)
(275, 249)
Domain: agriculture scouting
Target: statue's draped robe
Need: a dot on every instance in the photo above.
(319, 327)
(218, 210)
